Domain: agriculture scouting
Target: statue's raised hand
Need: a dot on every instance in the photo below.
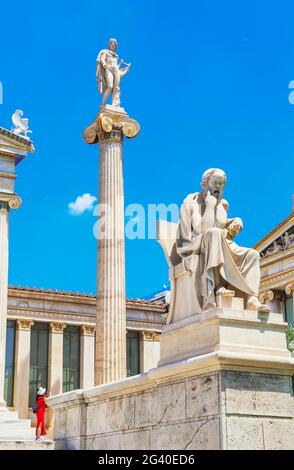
(210, 200)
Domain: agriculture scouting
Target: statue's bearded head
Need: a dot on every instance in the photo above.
(112, 44)
(214, 180)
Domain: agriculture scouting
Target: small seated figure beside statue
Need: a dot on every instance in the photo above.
(205, 261)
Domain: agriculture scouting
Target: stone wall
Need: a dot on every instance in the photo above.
(223, 382)
(258, 410)
(217, 410)
(183, 414)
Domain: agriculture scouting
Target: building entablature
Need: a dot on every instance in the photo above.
(78, 309)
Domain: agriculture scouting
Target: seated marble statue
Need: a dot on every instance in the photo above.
(205, 242)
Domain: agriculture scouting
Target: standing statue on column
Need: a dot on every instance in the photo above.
(109, 73)
(205, 243)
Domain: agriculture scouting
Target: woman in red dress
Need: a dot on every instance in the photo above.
(41, 406)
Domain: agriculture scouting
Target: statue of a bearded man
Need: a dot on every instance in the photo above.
(109, 73)
(205, 242)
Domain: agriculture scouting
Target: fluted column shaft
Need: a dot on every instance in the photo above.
(87, 356)
(111, 300)
(109, 129)
(22, 366)
(4, 223)
(13, 149)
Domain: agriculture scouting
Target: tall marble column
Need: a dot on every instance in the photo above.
(87, 356)
(13, 149)
(149, 350)
(109, 128)
(55, 365)
(4, 214)
(290, 290)
(22, 366)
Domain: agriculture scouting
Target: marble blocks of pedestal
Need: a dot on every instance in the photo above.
(238, 336)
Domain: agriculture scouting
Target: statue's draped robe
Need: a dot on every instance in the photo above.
(202, 252)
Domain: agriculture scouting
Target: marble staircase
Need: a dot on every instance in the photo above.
(17, 434)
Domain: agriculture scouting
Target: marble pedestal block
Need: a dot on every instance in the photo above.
(241, 335)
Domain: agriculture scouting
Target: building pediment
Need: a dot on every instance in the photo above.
(279, 240)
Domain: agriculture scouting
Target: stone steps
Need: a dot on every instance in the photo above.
(18, 434)
(23, 434)
(25, 445)
(17, 428)
(7, 414)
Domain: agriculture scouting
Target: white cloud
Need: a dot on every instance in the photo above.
(82, 204)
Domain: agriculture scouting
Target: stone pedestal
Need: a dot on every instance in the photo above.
(111, 125)
(233, 332)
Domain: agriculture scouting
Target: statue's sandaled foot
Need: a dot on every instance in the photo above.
(254, 304)
(220, 290)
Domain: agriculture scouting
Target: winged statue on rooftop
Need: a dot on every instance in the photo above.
(20, 124)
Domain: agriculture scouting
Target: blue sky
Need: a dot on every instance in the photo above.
(209, 86)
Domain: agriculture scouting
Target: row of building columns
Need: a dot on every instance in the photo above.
(149, 356)
(55, 361)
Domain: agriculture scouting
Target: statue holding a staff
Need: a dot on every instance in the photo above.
(109, 73)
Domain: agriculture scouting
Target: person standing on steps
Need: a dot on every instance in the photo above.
(40, 408)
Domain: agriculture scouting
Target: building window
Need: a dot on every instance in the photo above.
(71, 358)
(9, 362)
(289, 311)
(38, 359)
(133, 353)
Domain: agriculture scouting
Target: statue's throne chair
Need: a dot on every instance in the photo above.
(182, 283)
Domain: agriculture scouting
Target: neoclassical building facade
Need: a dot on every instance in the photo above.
(277, 268)
(51, 342)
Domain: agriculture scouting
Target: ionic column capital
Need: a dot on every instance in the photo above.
(24, 324)
(149, 336)
(87, 330)
(56, 327)
(289, 288)
(266, 296)
(111, 126)
(9, 201)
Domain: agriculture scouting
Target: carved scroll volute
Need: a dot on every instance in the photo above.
(289, 288)
(131, 128)
(88, 330)
(106, 123)
(90, 135)
(266, 296)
